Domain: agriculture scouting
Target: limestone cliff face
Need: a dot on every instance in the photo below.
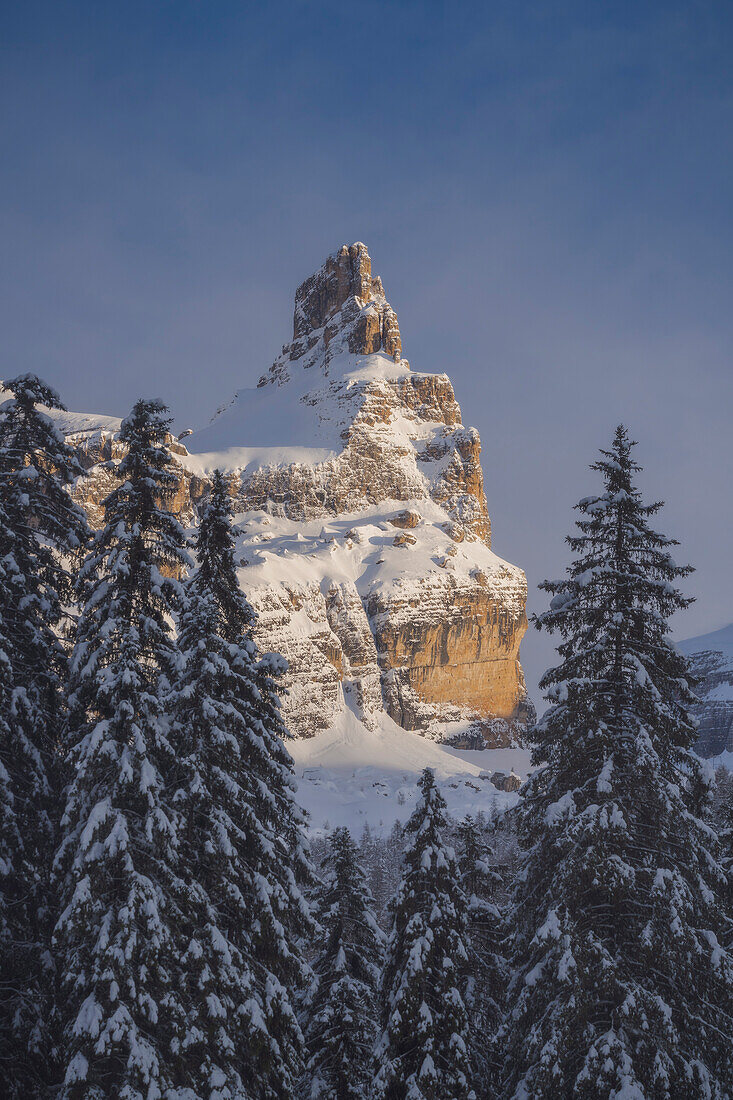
(365, 541)
(453, 652)
(100, 450)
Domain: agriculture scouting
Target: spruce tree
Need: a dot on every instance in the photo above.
(41, 529)
(486, 969)
(241, 840)
(216, 571)
(123, 1015)
(623, 983)
(341, 1014)
(381, 858)
(422, 1054)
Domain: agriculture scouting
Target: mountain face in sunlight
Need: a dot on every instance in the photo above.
(365, 540)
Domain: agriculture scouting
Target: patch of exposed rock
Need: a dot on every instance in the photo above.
(504, 782)
(406, 520)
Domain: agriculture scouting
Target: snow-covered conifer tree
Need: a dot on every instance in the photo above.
(216, 572)
(123, 1016)
(40, 529)
(623, 984)
(422, 1053)
(486, 969)
(341, 1027)
(381, 858)
(242, 843)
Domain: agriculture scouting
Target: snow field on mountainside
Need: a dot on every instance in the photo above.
(355, 777)
(306, 412)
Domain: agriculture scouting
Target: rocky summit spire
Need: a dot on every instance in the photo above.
(345, 286)
(340, 309)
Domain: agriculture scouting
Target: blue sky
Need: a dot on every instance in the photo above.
(544, 187)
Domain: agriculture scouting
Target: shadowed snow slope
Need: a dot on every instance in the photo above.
(353, 776)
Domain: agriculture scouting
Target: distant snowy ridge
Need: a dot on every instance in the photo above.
(74, 424)
(718, 641)
(711, 656)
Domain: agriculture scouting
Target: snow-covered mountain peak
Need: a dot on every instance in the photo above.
(365, 539)
(340, 309)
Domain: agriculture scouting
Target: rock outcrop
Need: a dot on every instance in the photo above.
(365, 542)
(366, 534)
(711, 658)
(340, 302)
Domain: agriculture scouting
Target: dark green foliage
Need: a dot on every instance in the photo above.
(216, 573)
(118, 861)
(622, 984)
(423, 1054)
(342, 1011)
(40, 526)
(241, 844)
(486, 969)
